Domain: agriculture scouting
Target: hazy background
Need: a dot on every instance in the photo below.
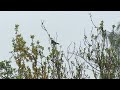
(69, 26)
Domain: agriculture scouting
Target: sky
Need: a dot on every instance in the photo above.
(69, 26)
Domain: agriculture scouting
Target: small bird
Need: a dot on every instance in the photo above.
(53, 42)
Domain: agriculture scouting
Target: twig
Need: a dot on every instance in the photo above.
(92, 20)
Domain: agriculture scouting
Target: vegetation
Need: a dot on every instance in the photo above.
(99, 54)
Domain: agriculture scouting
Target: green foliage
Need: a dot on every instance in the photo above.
(100, 54)
(6, 71)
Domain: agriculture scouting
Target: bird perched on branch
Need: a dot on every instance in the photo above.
(53, 42)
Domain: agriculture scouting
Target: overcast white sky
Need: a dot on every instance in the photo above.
(69, 25)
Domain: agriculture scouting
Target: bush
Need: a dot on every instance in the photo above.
(100, 54)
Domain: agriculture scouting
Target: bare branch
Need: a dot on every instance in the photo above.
(92, 20)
